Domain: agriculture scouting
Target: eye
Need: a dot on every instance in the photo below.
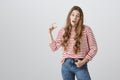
(72, 14)
(78, 15)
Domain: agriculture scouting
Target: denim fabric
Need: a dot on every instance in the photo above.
(69, 70)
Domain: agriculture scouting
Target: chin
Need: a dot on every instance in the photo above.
(73, 24)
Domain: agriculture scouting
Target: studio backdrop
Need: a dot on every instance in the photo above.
(24, 41)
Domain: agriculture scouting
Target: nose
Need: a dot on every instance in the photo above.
(75, 17)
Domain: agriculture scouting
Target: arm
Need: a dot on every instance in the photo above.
(51, 37)
(93, 48)
(92, 44)
(55, 44)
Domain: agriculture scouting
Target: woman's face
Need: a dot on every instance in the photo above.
(74, 17)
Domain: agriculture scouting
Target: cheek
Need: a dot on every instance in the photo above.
(78, 20)
(70, 18)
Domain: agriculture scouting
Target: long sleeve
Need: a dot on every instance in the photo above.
(55, 45)
(92, 44)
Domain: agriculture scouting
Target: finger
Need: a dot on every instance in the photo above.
(54, 24)
(79, 60)
(51, 25)
(76, 63)
(55, 27)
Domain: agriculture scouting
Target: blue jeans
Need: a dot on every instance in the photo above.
(70, 70)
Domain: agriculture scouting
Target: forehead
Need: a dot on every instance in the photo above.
(75, 12)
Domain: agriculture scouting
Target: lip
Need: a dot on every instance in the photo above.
(73, 21)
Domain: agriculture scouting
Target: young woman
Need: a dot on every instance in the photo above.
(79, 46)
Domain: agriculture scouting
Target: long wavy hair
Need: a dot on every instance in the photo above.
(78, 30)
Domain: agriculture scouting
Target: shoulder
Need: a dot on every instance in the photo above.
(61, 31)
(87, 28)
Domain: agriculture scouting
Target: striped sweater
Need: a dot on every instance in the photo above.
(88, 47)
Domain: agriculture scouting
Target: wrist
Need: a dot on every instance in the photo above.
(50, 32)
(85, 60)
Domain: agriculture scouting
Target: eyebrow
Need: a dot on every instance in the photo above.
(77, 13)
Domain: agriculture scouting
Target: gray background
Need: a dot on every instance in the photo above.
(24, 40)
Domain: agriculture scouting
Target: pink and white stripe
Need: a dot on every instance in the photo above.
(88, 44)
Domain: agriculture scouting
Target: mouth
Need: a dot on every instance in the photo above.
(73, 21)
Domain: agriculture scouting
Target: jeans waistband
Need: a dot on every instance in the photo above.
(75, 59)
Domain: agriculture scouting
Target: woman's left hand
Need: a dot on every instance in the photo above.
(79, 63)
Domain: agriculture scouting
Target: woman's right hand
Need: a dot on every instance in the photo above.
(52, 27)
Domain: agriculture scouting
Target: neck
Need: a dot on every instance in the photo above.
(74, 26)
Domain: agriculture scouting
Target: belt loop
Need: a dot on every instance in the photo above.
(72, 60)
